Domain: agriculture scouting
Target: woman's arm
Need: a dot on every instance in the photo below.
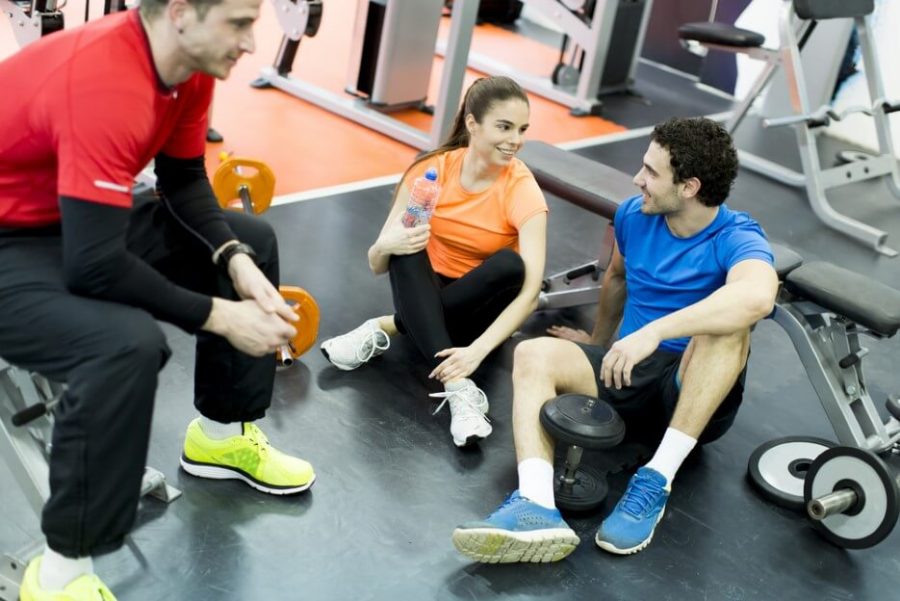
(460, 363)
(394, 238)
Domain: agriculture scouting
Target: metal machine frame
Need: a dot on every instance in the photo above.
(804, 94)
(594, 39)
(463, 18)
(26, 447)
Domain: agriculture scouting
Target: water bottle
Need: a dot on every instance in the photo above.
(422, 198)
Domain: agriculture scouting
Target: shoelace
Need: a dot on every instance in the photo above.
(362, 353)
(466, 404)
(506, 502)
(257, 438)
(639, 496)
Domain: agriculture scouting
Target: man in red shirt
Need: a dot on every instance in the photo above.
(86, 270)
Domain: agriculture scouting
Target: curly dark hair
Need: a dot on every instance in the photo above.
(701, 148)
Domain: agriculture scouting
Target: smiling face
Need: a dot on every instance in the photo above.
(662, 195)
(500, 135)
(212, 38)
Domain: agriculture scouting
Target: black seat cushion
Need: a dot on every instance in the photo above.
(833, 9)
(786, 260)
(721, 34)
(863, 300)
(591, 185)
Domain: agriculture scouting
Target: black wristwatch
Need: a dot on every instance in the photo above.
(230, 251)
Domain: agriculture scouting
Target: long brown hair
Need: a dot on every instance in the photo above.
(479, 99)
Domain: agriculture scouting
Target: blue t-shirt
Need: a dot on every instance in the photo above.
(665, 273)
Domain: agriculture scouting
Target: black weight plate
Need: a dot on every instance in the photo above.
(584, 421)
(586, 493)
(778, 468)
(866, 525)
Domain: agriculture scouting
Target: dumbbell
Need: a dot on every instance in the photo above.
(852, 497)
(244, 184)
(248, 185)
(581, 422)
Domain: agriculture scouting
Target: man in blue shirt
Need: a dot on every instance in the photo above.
(688, 278)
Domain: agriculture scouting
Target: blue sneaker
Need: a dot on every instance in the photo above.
(518, 530)
(629, 528)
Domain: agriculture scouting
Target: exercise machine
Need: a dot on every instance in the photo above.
(392, 53)
(802, 72)
(33, 18)
(27, 400)
(601, 45)
(849, 492)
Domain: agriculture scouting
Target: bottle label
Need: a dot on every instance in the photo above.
(415, 216)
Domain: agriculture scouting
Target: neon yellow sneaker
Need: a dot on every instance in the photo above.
(248, 457)
(84, 588)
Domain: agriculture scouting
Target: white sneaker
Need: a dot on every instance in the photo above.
(356, 347)
(468, 406)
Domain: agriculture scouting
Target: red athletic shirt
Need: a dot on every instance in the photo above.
(82, 112)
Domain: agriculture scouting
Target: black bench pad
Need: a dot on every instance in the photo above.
(786, 260)
(865, 301)
(721, 34)
(591, 185)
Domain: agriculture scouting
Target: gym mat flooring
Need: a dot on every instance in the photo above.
(391, 485)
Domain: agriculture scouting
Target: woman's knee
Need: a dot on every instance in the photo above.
(406, 266)
(508, 267)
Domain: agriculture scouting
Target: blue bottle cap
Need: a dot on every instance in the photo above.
(431, 174)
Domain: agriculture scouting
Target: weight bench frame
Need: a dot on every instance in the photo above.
(25, 449)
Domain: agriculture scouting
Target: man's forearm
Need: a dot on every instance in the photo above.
(609, 310)
(731, 308)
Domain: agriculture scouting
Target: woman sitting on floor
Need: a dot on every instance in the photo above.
(465, 282)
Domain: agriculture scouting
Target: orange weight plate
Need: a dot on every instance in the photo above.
(254, 176)
(308, 327)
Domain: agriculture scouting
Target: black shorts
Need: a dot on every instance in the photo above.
(648, 404)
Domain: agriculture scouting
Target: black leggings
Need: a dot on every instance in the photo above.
(438, 312)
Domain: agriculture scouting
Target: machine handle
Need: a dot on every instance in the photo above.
(29, 414)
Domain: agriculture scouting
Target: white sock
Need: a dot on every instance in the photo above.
(218, 430)
(58, 570)
(536, 481)
(671, 453)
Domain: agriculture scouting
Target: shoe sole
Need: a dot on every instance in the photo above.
(490, 545)
(611, 548)
(218, 472)
(475, 438)
(472, 439)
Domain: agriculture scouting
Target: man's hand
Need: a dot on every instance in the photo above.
(624, 354)
(567, 333)
(459, 362)
(251, 284)
(248, 327)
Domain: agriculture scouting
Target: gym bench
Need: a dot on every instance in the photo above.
(26, 426)
(823, 308)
